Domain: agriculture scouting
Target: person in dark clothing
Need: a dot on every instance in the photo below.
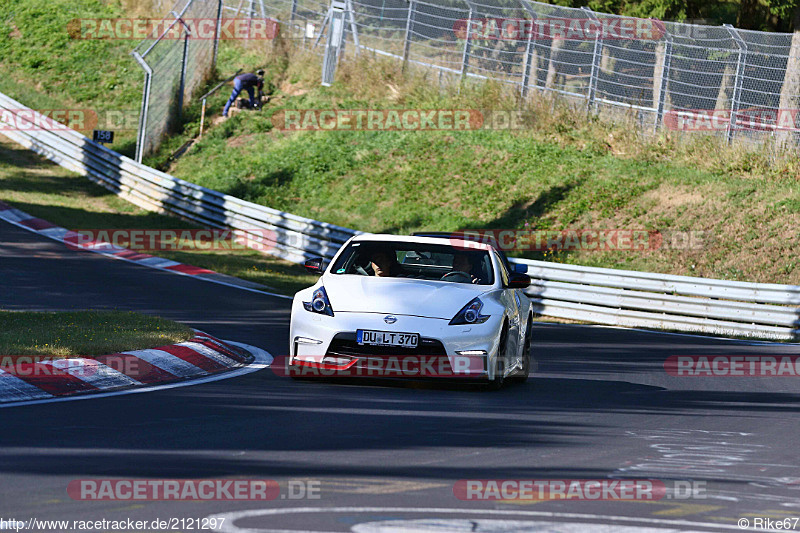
(463, 263)
(384, 263)
(245, 81)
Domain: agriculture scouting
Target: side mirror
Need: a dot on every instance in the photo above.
(314, 265)
(521, 268)
(518, 281)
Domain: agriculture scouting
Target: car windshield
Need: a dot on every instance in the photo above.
(433, 262)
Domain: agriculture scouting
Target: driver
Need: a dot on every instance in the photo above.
(384, 263)
(462, 263)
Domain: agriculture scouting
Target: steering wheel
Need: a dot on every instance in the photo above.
(451, 276)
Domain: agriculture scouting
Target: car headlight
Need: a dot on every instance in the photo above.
(470, 314)
(319, 303)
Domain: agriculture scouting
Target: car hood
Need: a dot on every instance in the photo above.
(401, 296)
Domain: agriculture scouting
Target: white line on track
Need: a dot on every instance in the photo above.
(144, 263)
(228, 525)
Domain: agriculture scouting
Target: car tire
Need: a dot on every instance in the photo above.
(499, 362)
(522, 375)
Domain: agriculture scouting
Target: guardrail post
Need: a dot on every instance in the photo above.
(741, 62)
(663, 86)
(596, 55)
(407, 38)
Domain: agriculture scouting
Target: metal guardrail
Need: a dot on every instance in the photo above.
(599, 295)
(681, 303)
(295, 238)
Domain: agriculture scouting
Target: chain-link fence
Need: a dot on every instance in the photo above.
(177, 57)
(681, 77)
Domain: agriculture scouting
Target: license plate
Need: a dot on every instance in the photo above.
(387, 338)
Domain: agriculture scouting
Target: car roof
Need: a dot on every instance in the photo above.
(449, 235)
(421, 239)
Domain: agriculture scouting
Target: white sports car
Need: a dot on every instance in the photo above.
(385, 297)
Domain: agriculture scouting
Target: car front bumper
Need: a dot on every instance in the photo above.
(324, 340)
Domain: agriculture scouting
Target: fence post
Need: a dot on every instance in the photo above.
(350, 14)
(741, 62)
(184, 58)
(663, 86)
(526, 66)
(407, 38)
(337, 15)
(217, 31)
(293, 15)
(528, 61)
(148, 78)
(183, 74)
(467, 46)
(596, 54)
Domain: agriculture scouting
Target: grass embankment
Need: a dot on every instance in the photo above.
(565, 170)
(76, 333)
(43, 65)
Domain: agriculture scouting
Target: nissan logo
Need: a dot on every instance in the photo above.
(390, 319)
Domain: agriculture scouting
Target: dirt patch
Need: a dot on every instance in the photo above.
(669, 196)
(293, 89)
(242, 140)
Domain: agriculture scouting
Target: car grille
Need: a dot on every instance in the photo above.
(345, 344)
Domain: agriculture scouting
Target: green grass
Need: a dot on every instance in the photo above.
(48, 191)
(85, 332)
(44, 68)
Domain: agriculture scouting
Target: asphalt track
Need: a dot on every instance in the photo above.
(386, 457)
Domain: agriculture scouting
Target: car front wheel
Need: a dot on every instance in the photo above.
(500, 361)
(522, 374)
